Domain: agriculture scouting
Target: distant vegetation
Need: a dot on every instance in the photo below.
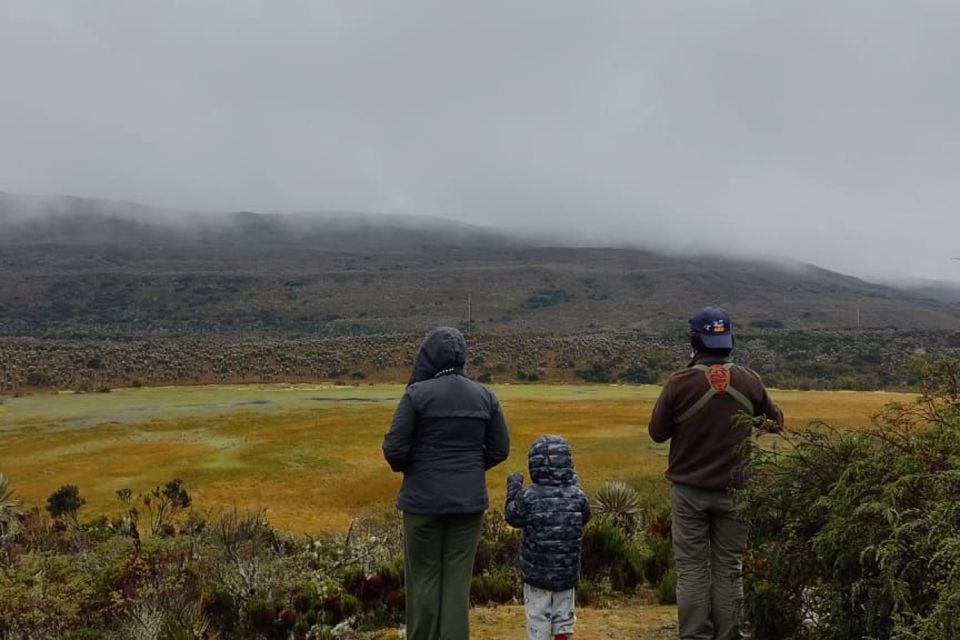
(548, 298)
(788, 359)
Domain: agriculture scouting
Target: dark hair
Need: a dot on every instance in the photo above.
(699, 347)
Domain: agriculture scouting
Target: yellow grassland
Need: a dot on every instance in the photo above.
(310, 454)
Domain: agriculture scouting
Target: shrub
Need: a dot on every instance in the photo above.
(44, 596)
(589, 593)
(37, 379)
(619, 502)
(500, 586)
(767, 323)
(371, 588)
(667, 587)
(596, 372)
(260, 614)
(857, 534)
(499, 544)
(547, 298)
(659, 560)
(220, 607)
(65, 502)
(164, 503)
(9, 511)
(372, 543)
(640, 374)
(610, 554)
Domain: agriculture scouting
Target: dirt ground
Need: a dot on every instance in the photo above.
(624, 620)
(627, 621)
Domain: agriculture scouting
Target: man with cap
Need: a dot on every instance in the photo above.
(697, 411)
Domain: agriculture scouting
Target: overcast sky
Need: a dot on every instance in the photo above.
(825, 131)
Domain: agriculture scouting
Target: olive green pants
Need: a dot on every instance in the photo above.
(708, 542)
(439, 568)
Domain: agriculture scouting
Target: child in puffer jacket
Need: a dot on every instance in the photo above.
(552, 513)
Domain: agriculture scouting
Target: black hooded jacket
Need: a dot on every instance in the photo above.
(552, 512)
(446, 432)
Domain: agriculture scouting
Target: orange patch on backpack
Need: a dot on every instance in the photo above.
(719, 379)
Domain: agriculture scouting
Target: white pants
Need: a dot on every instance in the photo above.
(549, 613)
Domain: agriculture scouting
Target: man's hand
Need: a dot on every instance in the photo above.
(773, 425)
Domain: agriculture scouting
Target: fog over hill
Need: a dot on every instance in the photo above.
(825, 131)
(84, 266)
(73, 220)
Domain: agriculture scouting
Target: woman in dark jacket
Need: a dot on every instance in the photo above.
(447, 431)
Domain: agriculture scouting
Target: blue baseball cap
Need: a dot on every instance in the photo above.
(714, 327)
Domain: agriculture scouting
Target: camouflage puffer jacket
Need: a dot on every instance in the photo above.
(552, 512)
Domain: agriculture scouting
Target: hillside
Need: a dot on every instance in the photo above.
(79, 267)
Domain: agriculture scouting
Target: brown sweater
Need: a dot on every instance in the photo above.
(703, 449)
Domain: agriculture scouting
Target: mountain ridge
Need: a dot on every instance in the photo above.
(108, 267)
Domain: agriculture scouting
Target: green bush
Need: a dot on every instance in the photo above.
(220, 607)
(667, 587)
(640, 373)
(611, 554)
(65, 502)
(659, 560)
(46, 596)
(499, 544)
(380, 591)
(598, 372)
(857, 534)
(500, 586)
(547, 298)
(9, 510)
(589, 594)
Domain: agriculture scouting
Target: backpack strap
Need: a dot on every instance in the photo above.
(718, 376)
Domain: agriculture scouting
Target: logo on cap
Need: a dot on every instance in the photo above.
(718, 326)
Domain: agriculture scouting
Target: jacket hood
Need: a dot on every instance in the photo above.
(551, 462)
(443, 348)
